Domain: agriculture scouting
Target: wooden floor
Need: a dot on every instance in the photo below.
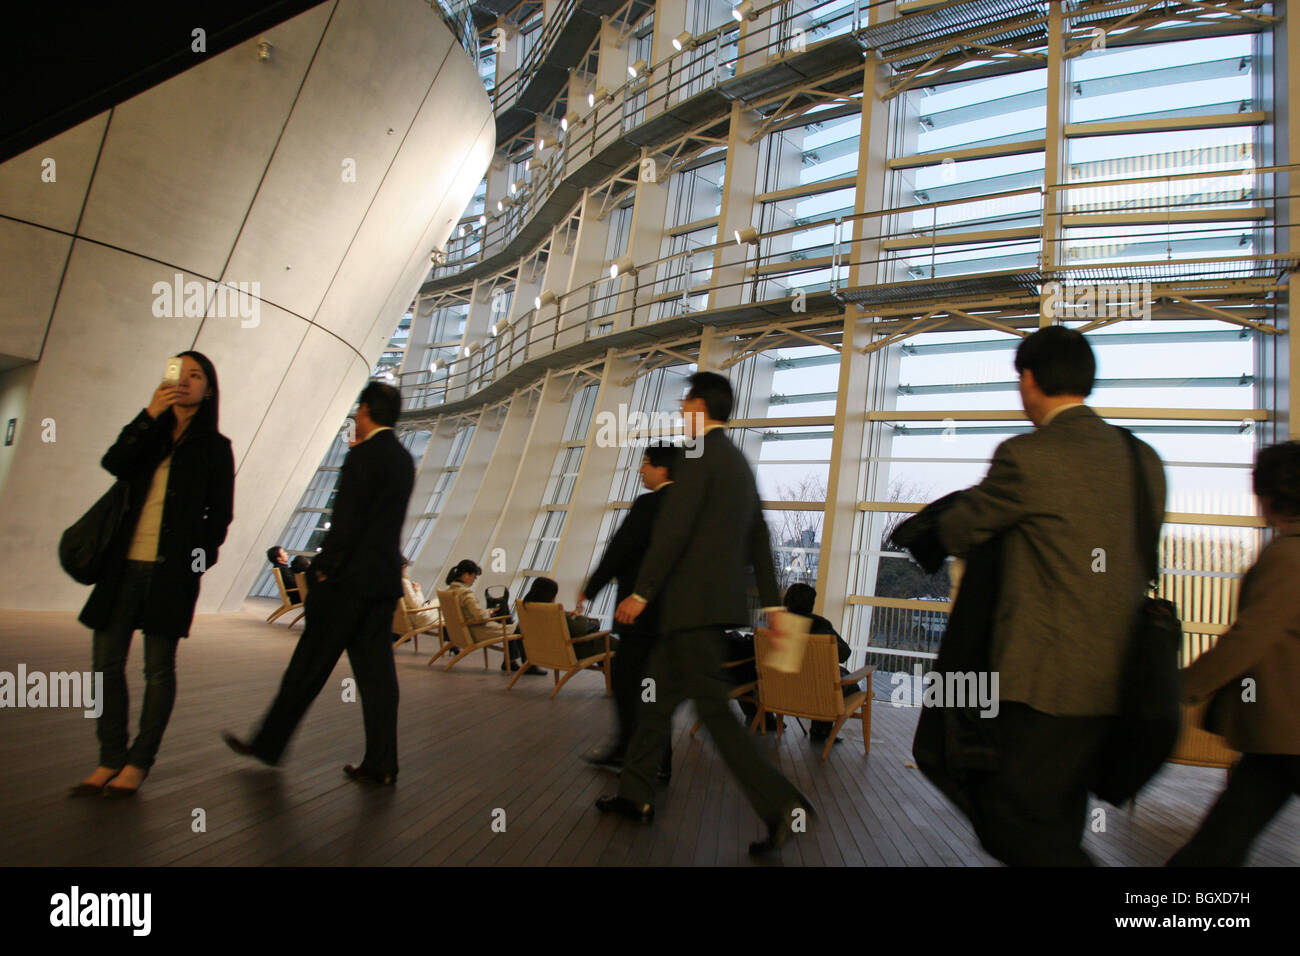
(468, 750)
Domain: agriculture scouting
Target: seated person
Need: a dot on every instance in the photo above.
(412, 597)
(279, 559)
(543, 591)
(460, 580)
(799, 599)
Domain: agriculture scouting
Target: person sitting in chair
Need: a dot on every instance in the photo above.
(799, 599)
(544, 591)
(460, 580)
(413, 598)
(279, 559)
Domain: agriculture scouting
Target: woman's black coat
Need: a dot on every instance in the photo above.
(197, 510)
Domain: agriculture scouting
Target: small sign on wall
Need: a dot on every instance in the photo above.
(9, 431)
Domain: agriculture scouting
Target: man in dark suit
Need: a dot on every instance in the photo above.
(279, 559)
(708, 532)
(622, 562)
(358, 577)
(1062, 502)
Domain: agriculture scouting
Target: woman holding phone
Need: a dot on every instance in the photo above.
(182, 476)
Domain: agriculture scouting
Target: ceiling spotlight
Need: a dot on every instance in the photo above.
(500, 327)
(263, 50)
(570, 119)
(461, 233)
(745, 11)
(435, 365)
(514, 188)
(682, 41)
(638, 68)
(482, 220)
(501, 205)
(748, 236)
(599, 93)
(466, 350)
(541, 143)
(518, 186)
(624, 266)
(546, 298)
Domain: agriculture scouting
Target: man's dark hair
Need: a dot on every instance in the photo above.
(799, 598)
(1061, 360)
(383, 401)
(273, 554)
(715, 390)
(1277, 477)
(664, 455)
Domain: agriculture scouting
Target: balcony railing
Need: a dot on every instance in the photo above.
(778, 267)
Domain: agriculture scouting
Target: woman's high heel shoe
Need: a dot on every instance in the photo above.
(119, 793)
(90, 789)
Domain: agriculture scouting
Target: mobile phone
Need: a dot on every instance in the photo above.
(173, 374)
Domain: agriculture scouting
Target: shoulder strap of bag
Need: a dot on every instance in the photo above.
(1147, 525)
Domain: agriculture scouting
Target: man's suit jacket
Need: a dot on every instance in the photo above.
(362, 551)
(1263, 643)
(1064, 496)
(708, 532)
(622, 560)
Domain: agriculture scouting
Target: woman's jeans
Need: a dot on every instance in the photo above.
(111, 647)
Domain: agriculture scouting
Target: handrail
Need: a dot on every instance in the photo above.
(579, 314)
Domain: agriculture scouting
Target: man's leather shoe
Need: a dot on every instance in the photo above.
(641, 813)
(609, 760)
(779, 830)
(241, 748)
(369, 776)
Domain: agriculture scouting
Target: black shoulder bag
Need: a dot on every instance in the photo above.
(84, 547)
(1147, 727)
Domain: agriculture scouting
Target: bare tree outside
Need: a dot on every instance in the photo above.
(796, 537)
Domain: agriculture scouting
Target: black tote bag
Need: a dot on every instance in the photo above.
(1147, 727)
(84, 547)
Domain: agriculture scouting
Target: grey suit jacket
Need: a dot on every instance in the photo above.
(706, 534)
(1263, 643)
(1064, 497)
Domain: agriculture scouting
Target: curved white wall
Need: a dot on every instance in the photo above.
(233, 171)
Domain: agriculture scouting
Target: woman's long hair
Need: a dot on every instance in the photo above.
(543, 591)
(461, 568)
(206, 417)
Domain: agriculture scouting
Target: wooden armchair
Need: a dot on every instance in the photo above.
(286, 604)
(547, 644)
(406, 621)
(464, 639)
(815, 691)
